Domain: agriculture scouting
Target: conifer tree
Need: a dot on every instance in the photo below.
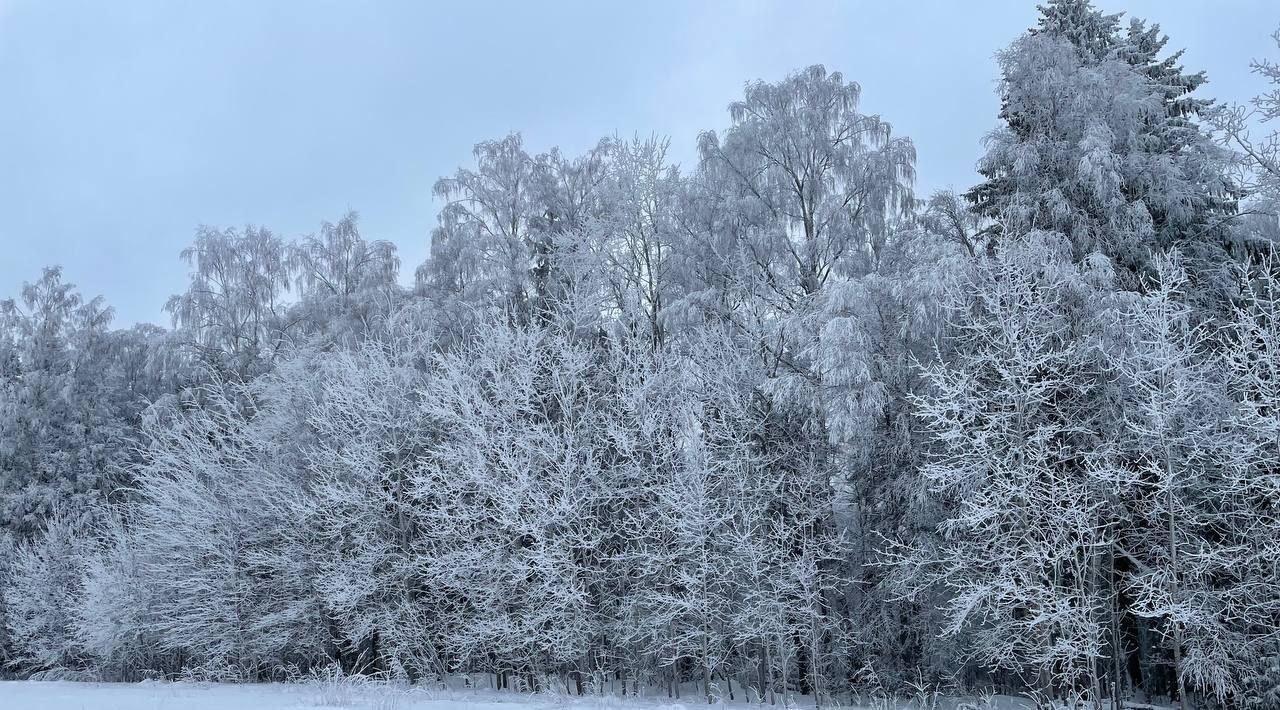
(1099, 143)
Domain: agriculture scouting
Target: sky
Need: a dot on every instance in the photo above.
(125, 125)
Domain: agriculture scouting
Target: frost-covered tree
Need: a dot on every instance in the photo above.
(1025, 478)
(340, 264)
(497, 243)
(811, 180)
(232, 314)
(572, 194)
(1099, 143)
(7, 553)
(343, 281)
(1260, 153)
(1252, 498)
(113, 610)
(873, 331)
(370, 436)
(731, 542)
(687, 532)
(63, 416)
(480, 250)
(43, 583)
(798, 194)
(794, 233)
(633, 243)
(72, 392)
(948, 216)
(1177, 425)
(509, 496)
(224, 527)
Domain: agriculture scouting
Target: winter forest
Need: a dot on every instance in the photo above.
(770, 427)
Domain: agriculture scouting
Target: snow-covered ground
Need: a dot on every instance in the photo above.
(66, 695)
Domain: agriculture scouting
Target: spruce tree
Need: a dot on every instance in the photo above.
(1100, 143)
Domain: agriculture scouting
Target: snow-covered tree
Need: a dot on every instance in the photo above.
(223, 524)
(497, 243)
(1023, 473)
(343, 281)
(634, 241)
(480, 250)
(1100, 144)
(813, 180)
(872, 332)
(1177, 425)
(572, 194)
(1259, 153)
(1252, 497)
(370, 436)
(114, 606)
(509, 493)
(687, 532)
(63, 416)
(43, 584)
(232, 314)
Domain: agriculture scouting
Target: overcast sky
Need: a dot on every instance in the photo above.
(124, 125)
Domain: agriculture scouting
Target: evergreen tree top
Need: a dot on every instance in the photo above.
(1093, 32)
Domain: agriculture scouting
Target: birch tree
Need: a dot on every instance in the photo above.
(343, 281)
(816, 178)
(233, 311)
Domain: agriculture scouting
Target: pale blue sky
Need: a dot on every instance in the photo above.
(125, 124)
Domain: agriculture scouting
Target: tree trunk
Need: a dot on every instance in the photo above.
(815, 675)
(765, 685)
(1173, 581)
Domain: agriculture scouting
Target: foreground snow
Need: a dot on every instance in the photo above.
(66, 695)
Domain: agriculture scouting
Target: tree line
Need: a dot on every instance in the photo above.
(771, 425)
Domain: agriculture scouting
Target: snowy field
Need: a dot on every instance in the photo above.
(66, 695)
